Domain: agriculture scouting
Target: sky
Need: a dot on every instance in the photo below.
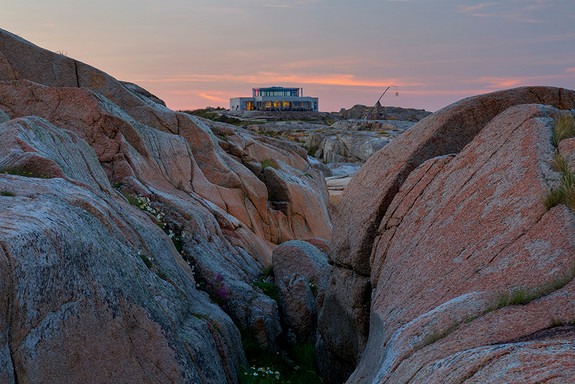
(198, 53)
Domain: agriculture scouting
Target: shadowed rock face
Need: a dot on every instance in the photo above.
(300, 273)
(434, 226)
(98, 291)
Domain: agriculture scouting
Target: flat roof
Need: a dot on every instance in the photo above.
(276, 88)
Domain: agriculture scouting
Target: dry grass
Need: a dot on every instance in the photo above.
(560, 163)
(565, 192)
(564, 127)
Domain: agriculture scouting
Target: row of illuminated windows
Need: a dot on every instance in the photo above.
(277, 93)
(285, 104)
(250, 105)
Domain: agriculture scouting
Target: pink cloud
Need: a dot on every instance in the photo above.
(473, 8)
(212, 98)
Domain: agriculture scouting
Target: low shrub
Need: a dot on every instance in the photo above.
(269, 289)
(24, 172)
(269, 163)
(296, 365)
(218, 290)
(207, 113)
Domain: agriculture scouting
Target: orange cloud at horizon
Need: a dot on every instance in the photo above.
(211, 98)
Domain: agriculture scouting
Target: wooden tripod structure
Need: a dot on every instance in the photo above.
(375, 107)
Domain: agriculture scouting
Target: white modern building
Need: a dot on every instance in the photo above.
(275, 99)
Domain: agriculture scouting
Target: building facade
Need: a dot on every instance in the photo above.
(275, 99)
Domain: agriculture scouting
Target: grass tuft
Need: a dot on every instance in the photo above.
(7, 193)
(269, 163)
(269, 289)
(564, 127)
(522, 296)
(517, 296)
(133, 200)
(565, 192)
(554, 197)
(436, 335)
(556, 323)
(560, 163)
(24, 172)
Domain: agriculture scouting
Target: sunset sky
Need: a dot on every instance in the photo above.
(195, 53)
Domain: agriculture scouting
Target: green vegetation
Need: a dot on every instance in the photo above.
(268, 271)
(565, 192)
(296, 366)
(516, 296)
(161, 275)
(269, 289)
(223, 137)
(147, 260)
(312, 286)
(133, 200)
(208, 113)
(556, 323)
(554, 197)
(436, 335)
(7, 193)
(269, 163)
(17, 171)
(564, 127)
(560, 163)
(522, 296)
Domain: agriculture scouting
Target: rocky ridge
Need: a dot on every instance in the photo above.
(436, 236)
(384, 113)
(115, 210)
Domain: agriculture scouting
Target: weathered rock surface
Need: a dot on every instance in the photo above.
(392, 127)
(80, 303)
(433, 228)
(89, 273)
(142, 92)
(301, 272)
(353, 141)
(395, 113)
(345, 147)
(340, 176)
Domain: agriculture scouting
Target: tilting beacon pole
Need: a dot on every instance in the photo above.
(386, 89)
(377, 102)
